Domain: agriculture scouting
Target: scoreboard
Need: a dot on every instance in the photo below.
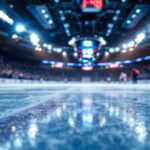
(91, 6)
(87, 50)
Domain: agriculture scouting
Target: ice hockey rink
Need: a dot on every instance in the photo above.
(72, 116)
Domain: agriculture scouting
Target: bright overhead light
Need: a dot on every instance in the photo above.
(117, 49)
(72, 41)
(59, 50)
(106, 53)
(133, 16)
(20, 28)
(34, 38)
(49, 46)
(124, 46)
(115, 18)
(50, 21)
(98, 54)
(140, 37)
(128, 21)
(123, 1)
(138, 11)
(14, 36)
(75, 54)
(43, 11)
(64, 54)
(45, 45)
(6, 18)
(37, 48)
(131, 44)
(46, 16)
(102, 41)
(111, 50)
(87, 43)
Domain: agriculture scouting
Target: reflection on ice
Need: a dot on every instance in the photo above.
(93, 121)
(18, 143)
(32, 132)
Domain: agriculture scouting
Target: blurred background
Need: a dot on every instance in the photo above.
(75, 40)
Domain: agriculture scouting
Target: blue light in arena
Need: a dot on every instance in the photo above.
(138, 11)
(99, 64)
(20, 28)
(34, 38)
(146, 58)
(87, 43)
(6, 18)
(46, 62)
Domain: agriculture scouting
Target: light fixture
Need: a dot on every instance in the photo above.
(128, 21)
(140, 37)
(43, 11)
(106, 53)
(131, 44)
(133, 16)
(59, 50)
(102, 41)
(20, 28)
(117, 49)
(64, 53)
(72, 41)
(111, 50)
(50, 21)
(124, 46)
(34, 38)
(49, 46)
(14, 36)
(75, 54)
(46, 16)
(37, 48)
(45, 45)
(138, 11)
(6, 18)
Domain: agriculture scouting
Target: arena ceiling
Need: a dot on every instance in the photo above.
(57, 21)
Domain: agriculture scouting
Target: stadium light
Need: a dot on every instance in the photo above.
(124, 46)
(106, 53)
(117, 49)
(72, 41)
(64, 54)
(111, 50)
(140, 37)
(75, 54)
(34, 38)
(59, 50)
(45, 45)
(20, 28)
(49, 46)
(14, 36)
(131, 44)
(138, 10)
(128, 21)
(43, 11)
(50, 21)
(6, 18)
(103, 42)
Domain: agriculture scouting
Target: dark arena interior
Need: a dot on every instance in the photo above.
(74, 74)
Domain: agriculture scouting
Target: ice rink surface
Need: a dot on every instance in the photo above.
(74, 116)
